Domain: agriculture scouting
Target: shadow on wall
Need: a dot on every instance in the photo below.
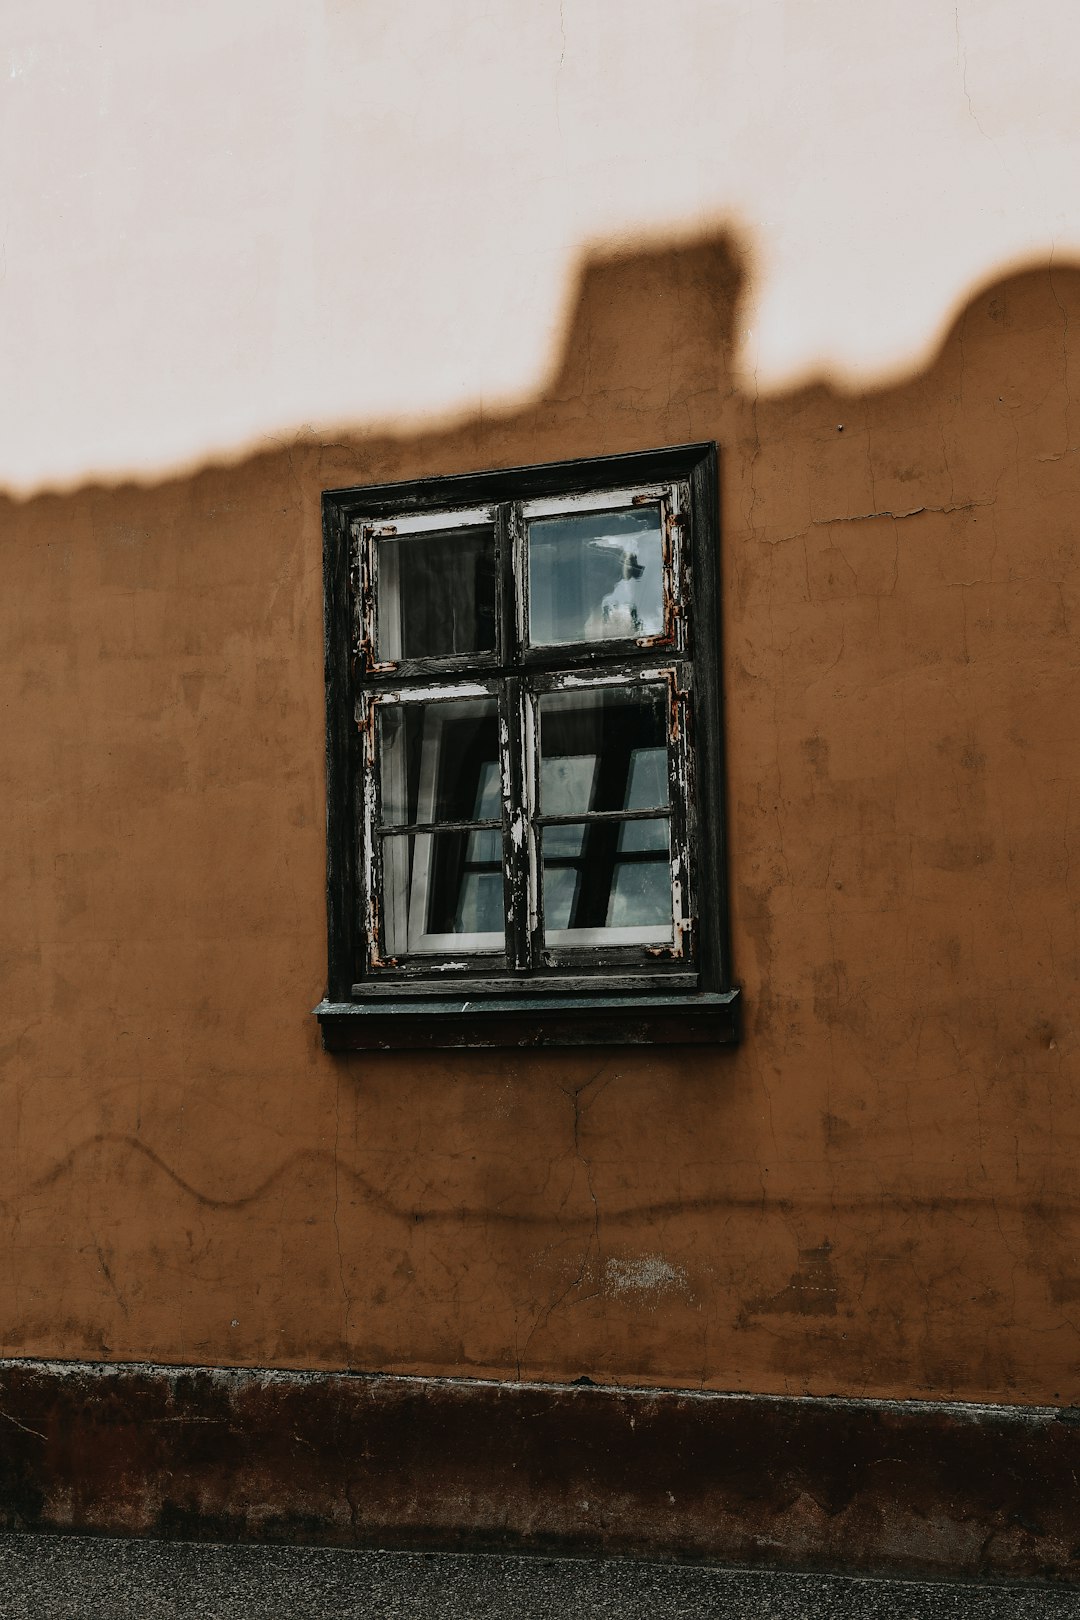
(876, 1192)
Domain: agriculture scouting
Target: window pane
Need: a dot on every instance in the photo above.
(436, 594)
(639, 835)
(596, 576)
(560, 892)
(648, 785)
(565, 840)
(442, 892)
(439, 761)
(607, 882)
(603, 749)
(566, 784)
(641, 895)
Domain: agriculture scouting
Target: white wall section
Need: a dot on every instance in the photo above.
(221, 222)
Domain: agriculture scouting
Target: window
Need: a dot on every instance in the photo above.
(525, 799)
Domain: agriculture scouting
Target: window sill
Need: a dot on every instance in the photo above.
(703, 1019)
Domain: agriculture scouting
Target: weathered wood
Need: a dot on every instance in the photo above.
(519, 674)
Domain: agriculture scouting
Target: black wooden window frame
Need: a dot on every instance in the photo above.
(599, 994)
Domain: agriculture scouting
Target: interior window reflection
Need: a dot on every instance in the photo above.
(604, 759)
(443, 887)
(436, 594)
(596, 576)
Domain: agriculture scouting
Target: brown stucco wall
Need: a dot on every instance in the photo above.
(874, 1194)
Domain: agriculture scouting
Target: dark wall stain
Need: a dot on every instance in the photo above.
(207, 1454)
(809, 1291)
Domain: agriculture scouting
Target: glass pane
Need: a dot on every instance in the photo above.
(607, 882)
(436, 594)
(566, 784)
(563, 840)
(648, 786)
(641, 895)
(596, 576)
(560, 892)
(439, 761)
(442, 892)
(638, 835)
(604, 749)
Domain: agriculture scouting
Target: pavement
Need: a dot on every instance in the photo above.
(46, 1577)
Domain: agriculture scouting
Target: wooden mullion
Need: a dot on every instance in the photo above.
(428, 671)
(516, 832)
(574, 820)
(341, 754)
(550, 982)
(393, 829)
(706, 760)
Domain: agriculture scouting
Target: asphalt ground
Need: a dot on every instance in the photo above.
(71, 1577)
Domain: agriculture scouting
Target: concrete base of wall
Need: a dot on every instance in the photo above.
(234, 1455)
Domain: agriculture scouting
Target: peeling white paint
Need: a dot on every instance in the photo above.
(434, 694)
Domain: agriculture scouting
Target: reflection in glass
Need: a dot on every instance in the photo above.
(566, 783)
(439, 761)
(564, 840)
(607, 873)
(641, 835)
(641, 894)
(442, 889)
(443, 892)
(560, 891)
(603, 748)
(607, 881)
(648, 785)
(596, 576)
(436, 594)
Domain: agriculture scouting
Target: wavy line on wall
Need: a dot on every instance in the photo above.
(1038, 1208)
